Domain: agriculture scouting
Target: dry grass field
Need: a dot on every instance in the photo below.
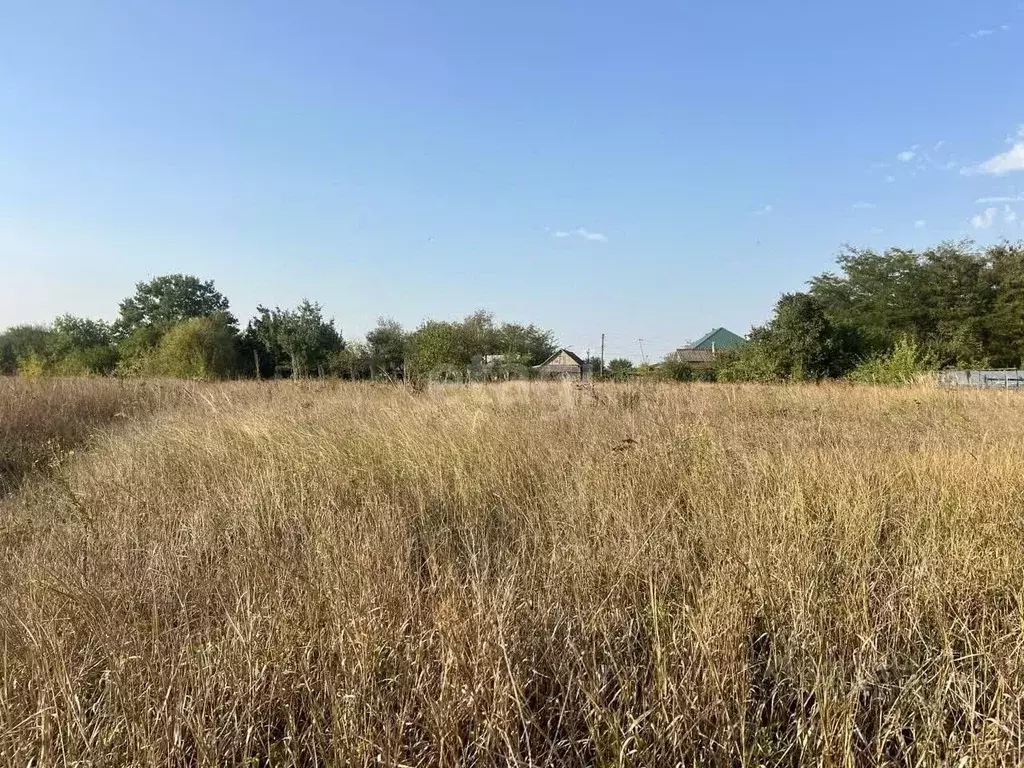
(527, 574)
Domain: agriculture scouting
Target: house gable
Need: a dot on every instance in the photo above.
(564, 364)
(562, 357)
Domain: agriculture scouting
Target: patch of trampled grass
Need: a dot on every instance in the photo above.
(40, 420)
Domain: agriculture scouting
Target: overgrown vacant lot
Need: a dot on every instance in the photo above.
(524, 574)
(39, 421)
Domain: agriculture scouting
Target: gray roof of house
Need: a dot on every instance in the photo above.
(688, 355)
(576, 358)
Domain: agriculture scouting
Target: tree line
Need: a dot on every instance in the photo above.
(880, 316)
(885, 316)
(181, 326)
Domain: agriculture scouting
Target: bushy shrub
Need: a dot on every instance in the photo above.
(750, 363)
(91, 361)
(676, 370)
(200, 348)
(32, 366)
(21, 342)
(902, 365)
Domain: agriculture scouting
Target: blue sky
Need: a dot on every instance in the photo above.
(647, 170)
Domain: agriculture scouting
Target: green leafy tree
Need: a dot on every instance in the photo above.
(135, 348)
(527, 344)
(878, 294)
(594, 361)
(351, 362)
(620, 368)
(19, 342)
(156, 306)
(648, 372)
(300, 338)
(452, 348)
(952, 301)
(440, 346)
(387, 346)
(309, 339)
(80, 346)
(167, 300)
(674, 369)
(752, 362)
(479, 334)
(1002, 327)
(963, 306)
(800, 342)
(261, 341)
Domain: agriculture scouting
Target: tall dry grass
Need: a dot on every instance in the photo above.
(525, 575)
(41, 420)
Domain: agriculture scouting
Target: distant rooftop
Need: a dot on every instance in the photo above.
(719, 338)
(689, 355)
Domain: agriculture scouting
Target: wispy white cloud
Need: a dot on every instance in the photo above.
(862, 206)
(890, 179)
(984, 32)
(939, 145)
(920, 224)
(588, 235)
(951, 165)
(1000, 199)
(985, 219)
(1006, 162)
(1009, 216)
(906, 155)
(765, 210)
(582, 232)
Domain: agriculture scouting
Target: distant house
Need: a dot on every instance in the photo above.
(564, 364)
(702, 353)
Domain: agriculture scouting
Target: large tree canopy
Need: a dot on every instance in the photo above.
(963, 304)
(167, 300)
(804, 343)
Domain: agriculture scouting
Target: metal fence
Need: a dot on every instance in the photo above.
(1010, 378)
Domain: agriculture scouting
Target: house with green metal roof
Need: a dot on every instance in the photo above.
(719, 338)
(701, 353)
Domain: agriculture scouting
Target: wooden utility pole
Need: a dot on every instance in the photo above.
(602, 355)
